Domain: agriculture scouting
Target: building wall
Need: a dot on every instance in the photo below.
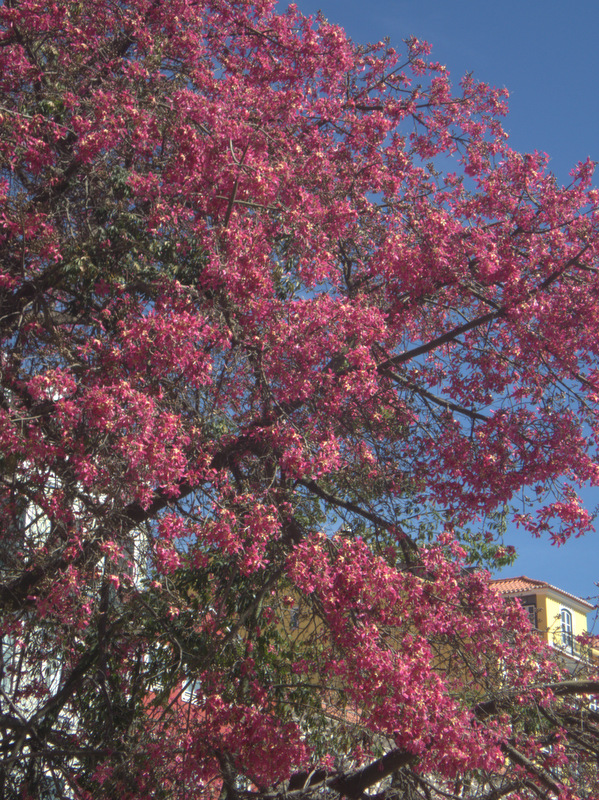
(550, 627)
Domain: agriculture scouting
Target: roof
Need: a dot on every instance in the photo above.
(524, 585)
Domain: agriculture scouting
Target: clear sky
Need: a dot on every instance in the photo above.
(546, 54)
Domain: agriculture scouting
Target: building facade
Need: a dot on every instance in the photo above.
(559, 617)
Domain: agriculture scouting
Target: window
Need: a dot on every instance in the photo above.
(294, 618)
(566, 622)
(532, 615)
(189, 693)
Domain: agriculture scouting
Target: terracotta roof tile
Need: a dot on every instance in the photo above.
(519, 584)
(525, 584)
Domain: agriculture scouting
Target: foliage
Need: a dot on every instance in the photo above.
(279, 325)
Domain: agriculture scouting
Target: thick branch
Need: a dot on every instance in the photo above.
(559, 689)
(313, 487)
(541, 774)
(477, 322)
(354, 785)
(448, 405)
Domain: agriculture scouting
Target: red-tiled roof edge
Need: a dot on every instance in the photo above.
(534, 584)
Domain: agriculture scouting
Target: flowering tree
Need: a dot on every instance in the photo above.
(285, 327)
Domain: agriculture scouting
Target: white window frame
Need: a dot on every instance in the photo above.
(567, 629)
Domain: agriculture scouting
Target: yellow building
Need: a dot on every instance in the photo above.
(558, 616)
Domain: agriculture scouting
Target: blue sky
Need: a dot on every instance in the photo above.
(546, 55)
